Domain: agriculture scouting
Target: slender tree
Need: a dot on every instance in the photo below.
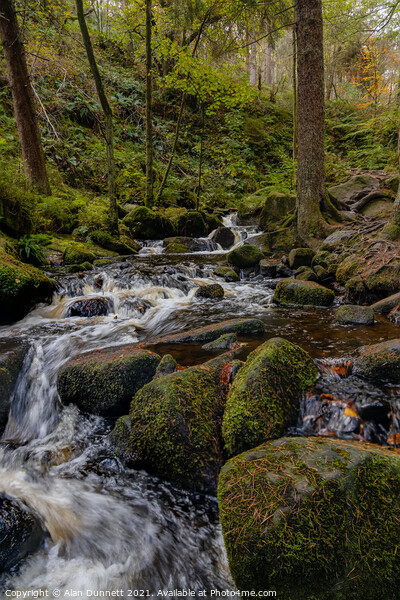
(23, 98)
(311, 188)
(109, 134)
(149, 100)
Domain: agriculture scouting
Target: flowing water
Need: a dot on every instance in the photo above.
(113, 529)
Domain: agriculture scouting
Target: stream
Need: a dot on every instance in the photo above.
(113, 529)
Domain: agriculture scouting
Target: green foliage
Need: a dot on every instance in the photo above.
(30, 248)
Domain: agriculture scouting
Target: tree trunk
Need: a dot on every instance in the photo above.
(149, 123)
(23, 99)
(253, 65)
(268, 64)
(109, 135)
(311, 189)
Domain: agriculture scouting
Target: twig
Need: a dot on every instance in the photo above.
(44, 112)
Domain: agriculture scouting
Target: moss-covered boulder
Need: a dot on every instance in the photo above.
(350, 189)
(306, 274)
(250, 208)
(355, 315)
(176, 248)
(245, 256)
(224, 342)
(21, 287)
(314, 519)
(265, 396)
(277, 206)
(322, 258)
(213, 221)
(269, 268)
(383, 280)
(294, 292)
(227, 273)
(242, 327)
(213, 291)
(105, 240)
(146, 224)
(103, 382)
(76, 254)
(195, 225)
(12, 354)
(300, 257)
(385, 306)
(20, 533)
(174, 427)
(15, 214)
(347, 269)
(166, 366)
(380, 361)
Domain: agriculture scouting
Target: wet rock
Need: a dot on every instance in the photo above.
(103, 382)
(250, 209)
(276, 207)
(227, 273)
(214, 291)
(189, 244)
(166, 366)
(262, 241)
(242, 327)
(292, 292)
(129, 305)
(336, 239)
(174, 427)
(90, 307)
(355, 290)
(195, 225)
(224, 236)
(383, 281)
(105, 240)
(265, 396)
(355, 315)
(245, 256)
(79, 268)
(213, 221)
(176, 248)
(20, 533)
(283, 271)
(380, 361)
(269, 268)
(322, 258)
(300, 257)
(306, 274)
(224, 342)
(21, 288)
(321, 273)
(385, 306)
(77, 254)
(12, 355)
(146, 224)
(298, 513)
(354, 188)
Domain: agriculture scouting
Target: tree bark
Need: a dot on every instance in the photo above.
(311, 188)
(149, 117)
(109, 129)
(23, 98)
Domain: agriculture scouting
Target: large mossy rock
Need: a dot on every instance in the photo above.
(213, 291)
(227, 273)
(103, 382)
(350, 189)
(15, 215)
(265, 396)
(294, 292)
(12, 355)
(77, 254)
(250, 208)
(146, 224)
(300, 257)
(208, 333)
(174, 427)
(245, 256)
(195, 225)
(276, 207)
(314, 519)
(354, 315)
(105, 240)
(20, 533)
(380, 361)
(21, 287)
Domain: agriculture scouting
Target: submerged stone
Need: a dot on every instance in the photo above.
(244, 327)
(225, 342)
(299, 514)
(355, 315)
(90, 307)
(20, 533)
(103, 382)
(265, 396)
(213, 291)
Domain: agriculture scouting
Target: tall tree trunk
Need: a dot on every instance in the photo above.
(23, 98)
(268, 64)
(294, 142)
(253, 65)
(109, 129)
(149, 122)
(311, 189)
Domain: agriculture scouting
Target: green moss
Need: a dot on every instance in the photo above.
(358, 315)
(195, 225)
(146, 224)
(175, 426)
(322, 258)
(277, 207)
(265, 395)
(299, 257)
(245, 256)
(292, 292)
(391, 232)
(227, 273)
(76, 254)
(176, 248)
(103, 382)
(213, 291)
(318, 521)
(22, 286)
(347, 269)
(213, 221)
(380, 361)
(105, 240)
